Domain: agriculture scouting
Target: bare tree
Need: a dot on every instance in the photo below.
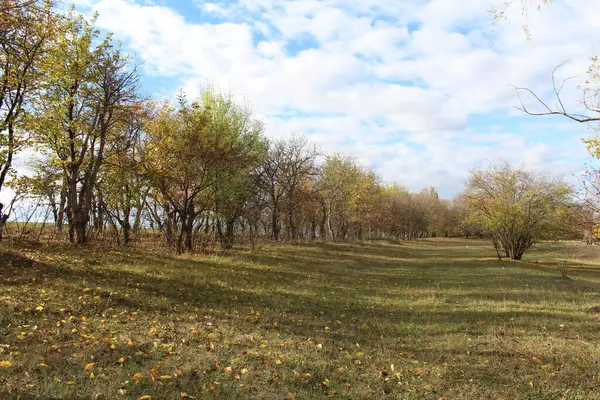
(289, 163)
(590, 100)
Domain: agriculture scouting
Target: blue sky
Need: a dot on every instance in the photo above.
(419, 90)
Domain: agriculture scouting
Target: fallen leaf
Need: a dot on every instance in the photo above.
(138, 376)
(5, 364)
(88, 367)
(291, 395)
(144, 397)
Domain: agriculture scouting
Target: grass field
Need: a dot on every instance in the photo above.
(418, 320)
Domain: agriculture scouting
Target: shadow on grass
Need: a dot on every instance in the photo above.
(390, 296)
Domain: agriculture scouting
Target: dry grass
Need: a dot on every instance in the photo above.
(419, 320)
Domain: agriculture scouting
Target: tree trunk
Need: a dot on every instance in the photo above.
(60, 216)
(137, 223)
(168, 228)
(275, 223)
(292, 226)
(187, 227)
(226, 237)
(126, 225)
(328, 230)
(322, 232)
(3, 219)
(80, 229)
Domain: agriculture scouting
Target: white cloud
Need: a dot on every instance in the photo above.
(394, 83)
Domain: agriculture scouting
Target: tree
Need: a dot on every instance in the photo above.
(590, 90)
(516, 207)
(26, 28)
(463, 222)
(236, 181)
(289, 163)
(179, 157)
(89, 89)
(340, 185)
(500, 12)
(122, 190)
(199, 155)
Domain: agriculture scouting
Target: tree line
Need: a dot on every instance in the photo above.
(196, 170)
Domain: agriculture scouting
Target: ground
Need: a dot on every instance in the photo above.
(427, 319)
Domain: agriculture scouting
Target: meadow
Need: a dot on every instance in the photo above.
(426, 319)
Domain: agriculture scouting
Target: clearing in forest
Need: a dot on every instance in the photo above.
(418, 320)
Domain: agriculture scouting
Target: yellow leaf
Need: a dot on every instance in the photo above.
(39, 308)
(184, 395)
(138, 376)
(244, 371)
(88, 367)
(291, 395)
(43, 365)
(5, 364)
(165, 377)
(121, 360)
(228, 369)
(69, 383)
(278, 362)
(144, 397)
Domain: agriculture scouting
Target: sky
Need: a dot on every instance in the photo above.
(418, 90)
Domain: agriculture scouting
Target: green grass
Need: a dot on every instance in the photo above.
(418, 320)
